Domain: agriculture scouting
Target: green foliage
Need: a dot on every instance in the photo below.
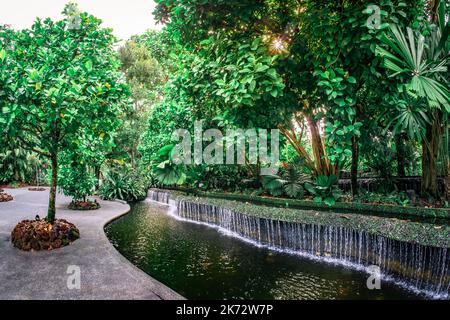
(139, 66)
(245, 70)
(419, 60)
(379, 154)
(392, 198)
(124, 183)
(52, 100)
(217, 177)
(289, 182)
(17, 164)
(324, 190)
(163, 120)
(145, 77)
(161, 46)
(249, 82)
(62, 86)
(409, 116)
(422, 60)
(166, 172)
(75, 179)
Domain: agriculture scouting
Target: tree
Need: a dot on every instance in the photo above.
(271, 63)
(63, 84)
(421, 63)
(145, 77)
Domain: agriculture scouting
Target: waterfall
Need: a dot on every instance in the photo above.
(420, 268)
(158, 196)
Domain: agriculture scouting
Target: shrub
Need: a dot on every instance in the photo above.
(76, 181)
(167, 172)
(124, 184)
(392, 198)
(289, 182)
(324, 190)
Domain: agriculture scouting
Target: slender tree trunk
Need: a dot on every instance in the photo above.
(97, 173)
(401, 162)
(355, 155)
(354, 169)
(445, 157)
(52, 199)
(447, 183)
(430, 150)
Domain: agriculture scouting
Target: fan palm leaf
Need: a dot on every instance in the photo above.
(423, 61)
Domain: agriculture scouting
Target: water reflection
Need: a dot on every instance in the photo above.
(201, 263)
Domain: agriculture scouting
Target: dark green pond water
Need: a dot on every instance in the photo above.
(201, 263)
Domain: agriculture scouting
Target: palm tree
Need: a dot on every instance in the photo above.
(423, 62)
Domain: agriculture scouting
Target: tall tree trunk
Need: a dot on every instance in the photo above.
(52, 199)
(354, 169)
(401, 162)
(323, 167)
(430, 150)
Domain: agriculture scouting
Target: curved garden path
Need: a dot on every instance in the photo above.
(105, 274)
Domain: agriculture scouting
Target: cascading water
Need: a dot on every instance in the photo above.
(421, 268)
(158, 196)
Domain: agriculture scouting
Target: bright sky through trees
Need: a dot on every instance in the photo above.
(127, 18)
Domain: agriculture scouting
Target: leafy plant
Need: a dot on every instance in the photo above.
(124, 184)
(392, 198)
(76, 181)
(216, 177)
(167, 172)
(324, 190)
(424, 58)
(290, 182)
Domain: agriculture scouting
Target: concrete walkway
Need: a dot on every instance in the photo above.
(105, 274)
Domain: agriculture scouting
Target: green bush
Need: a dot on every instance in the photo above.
(124, 184)
(324, 190)
(19, 165)
(392, 198)
(76, 181)
(167, 172)
(289, 182)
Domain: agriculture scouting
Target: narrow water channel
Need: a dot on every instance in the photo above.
(200, 262)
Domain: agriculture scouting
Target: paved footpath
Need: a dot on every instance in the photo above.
(105, 273)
